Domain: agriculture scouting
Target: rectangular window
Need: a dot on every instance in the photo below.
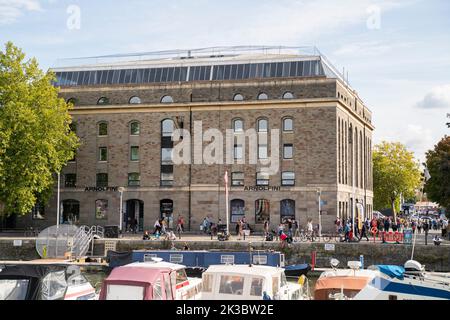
(231, 285)
(237, 179)
(102, 180)
(167, 155)
(166, 175)
(262, 151)
(70, 180)
(262, 179)
(103, 154)
(134, 179)
(238, 152)
(256, 288)
(134, 153)
(207, 282)
(288, 151)
(288, 178)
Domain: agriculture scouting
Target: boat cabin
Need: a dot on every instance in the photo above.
(245, 282)
(150, 281)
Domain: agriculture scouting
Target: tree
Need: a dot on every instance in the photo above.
(395, 173)
(35, 137)
(437, 186)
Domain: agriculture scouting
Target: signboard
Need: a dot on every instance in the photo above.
(330, 247)
(407, 236)
(101, 189)
(17, 243)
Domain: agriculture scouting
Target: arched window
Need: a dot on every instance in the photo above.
(167, 127)
(262, 211)
(237, 210)
(263, 125)
(135, 100)
(288, 124)
(103, 101)
(72, 101)
(135, 128)
(288, 95)
(238, 125)
(263, 96)
(167, 99)
(287, 209)
(238, 97)
(103, 129)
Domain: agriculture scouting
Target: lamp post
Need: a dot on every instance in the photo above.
(319, 194)
(58, 201)
(121, 190)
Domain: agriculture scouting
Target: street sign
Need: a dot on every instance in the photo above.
(330, 247)
(17, 243)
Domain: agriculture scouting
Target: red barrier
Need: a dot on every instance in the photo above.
(396, 237)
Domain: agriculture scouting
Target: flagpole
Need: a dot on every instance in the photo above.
(227, 202)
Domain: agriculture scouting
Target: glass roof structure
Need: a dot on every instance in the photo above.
(208, 64)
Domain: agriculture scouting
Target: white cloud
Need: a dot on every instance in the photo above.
(437, 98)
(10, 10)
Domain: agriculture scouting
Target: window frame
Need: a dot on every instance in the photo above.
(288, 95)
(284, 124)
(287, 145)
(284, 180)
(262, 179)
(138, 128)
(134, 182)
(70, 185)
(103, 101)
(100, 149)
(131, 153)
(262, 96)
(104, 185)
(240, 181)
(238, 97)
(167, 99)
(137, 100)
(234, 121)
(99, 128)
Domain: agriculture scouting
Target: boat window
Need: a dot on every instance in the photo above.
(283, 280)
(207, 282)
(257, 286)
(167, 287)
(275, 285)
(181, 276)
(77, 279)
(231, 285)
(54, 286)
(13, 289)
(157, 290)
(123, 292)
(260, 259)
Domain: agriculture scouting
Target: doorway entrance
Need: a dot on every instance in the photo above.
(134, 215)
(70, 212)
(166, 209)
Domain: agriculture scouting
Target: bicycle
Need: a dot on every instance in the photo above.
(304, 237)
(31, 232)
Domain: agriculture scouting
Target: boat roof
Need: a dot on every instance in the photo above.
(256, 270)
(29, 270)
(166, 266)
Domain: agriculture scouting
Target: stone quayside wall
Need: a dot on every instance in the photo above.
(434, 258)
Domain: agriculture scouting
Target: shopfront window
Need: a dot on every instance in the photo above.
(287, 209)
(101, 209)
(237, 209)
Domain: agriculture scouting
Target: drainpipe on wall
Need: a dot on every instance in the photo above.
(190, 169)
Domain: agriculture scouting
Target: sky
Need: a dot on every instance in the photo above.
(397, 53)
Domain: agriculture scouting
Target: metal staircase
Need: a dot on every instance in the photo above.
(83, 239)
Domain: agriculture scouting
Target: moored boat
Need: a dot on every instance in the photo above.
(154, 280)
(249, 282)
(410, 282)
(44, 281)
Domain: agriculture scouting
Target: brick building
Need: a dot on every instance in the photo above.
(125, 114)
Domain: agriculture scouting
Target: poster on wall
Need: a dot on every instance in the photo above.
(101, 209)
(262, 212)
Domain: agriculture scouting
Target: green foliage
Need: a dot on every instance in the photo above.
(35, 138)
(395, 173)
(438, 164)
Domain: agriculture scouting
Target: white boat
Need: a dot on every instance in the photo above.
(42, 280)
(154, 280)
(249, 282)
(342, 284)
(410, 282)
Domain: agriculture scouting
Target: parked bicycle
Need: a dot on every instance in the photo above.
(31, 232)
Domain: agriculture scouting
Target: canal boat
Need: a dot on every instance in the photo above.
(44, 281)
(410, 282)
(151, 280)
(249, 282)
(197, 262)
